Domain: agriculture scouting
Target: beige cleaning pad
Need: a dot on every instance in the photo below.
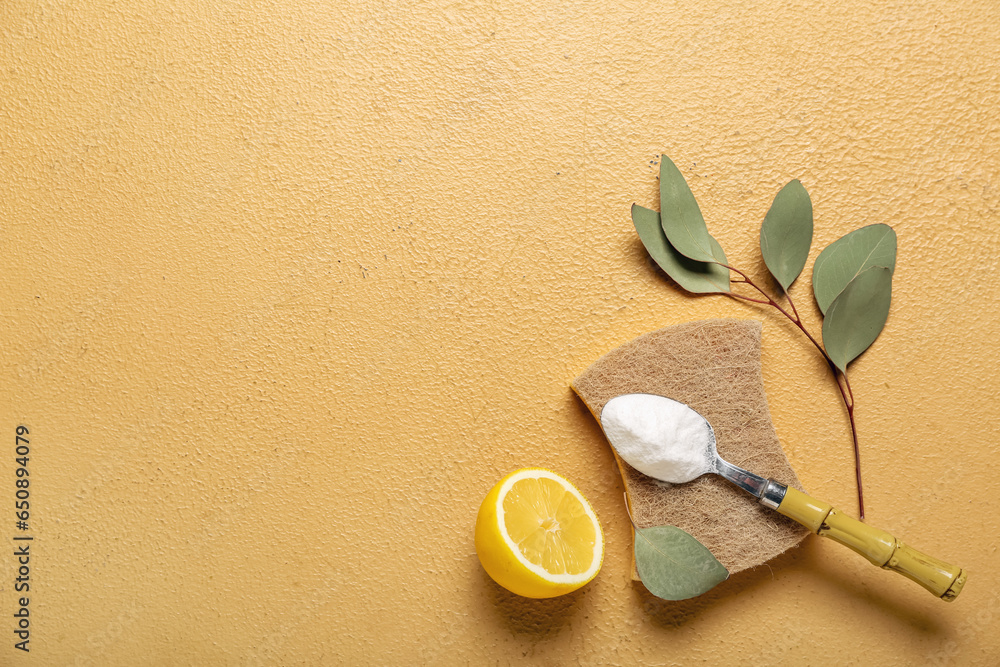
(713, 366)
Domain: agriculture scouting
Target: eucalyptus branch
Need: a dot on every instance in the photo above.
(852, 277)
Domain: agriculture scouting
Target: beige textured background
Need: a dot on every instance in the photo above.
(288, 286)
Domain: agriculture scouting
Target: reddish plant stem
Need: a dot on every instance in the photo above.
(792, 304)
(850, 392)
(845, 388)
(750, 299)
(796, 320)
(854, 437)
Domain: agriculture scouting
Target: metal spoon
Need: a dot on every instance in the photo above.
(879, 547)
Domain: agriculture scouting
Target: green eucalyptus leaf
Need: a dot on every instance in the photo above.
(856, 317)
(673, 565)
(681, 218)
(786, 234)
(697, 277)
(844, 259)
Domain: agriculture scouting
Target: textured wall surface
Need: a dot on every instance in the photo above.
(288, 286)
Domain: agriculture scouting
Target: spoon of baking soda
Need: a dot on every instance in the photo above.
(669, 441)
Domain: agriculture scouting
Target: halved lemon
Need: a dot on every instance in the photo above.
(537, 536)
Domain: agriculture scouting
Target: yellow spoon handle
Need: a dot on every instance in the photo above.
(943, 580)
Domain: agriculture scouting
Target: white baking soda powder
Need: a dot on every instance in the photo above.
(659, 437)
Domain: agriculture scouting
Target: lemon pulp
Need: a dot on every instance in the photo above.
(549, 525)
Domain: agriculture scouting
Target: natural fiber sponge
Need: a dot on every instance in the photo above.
(713, 366)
